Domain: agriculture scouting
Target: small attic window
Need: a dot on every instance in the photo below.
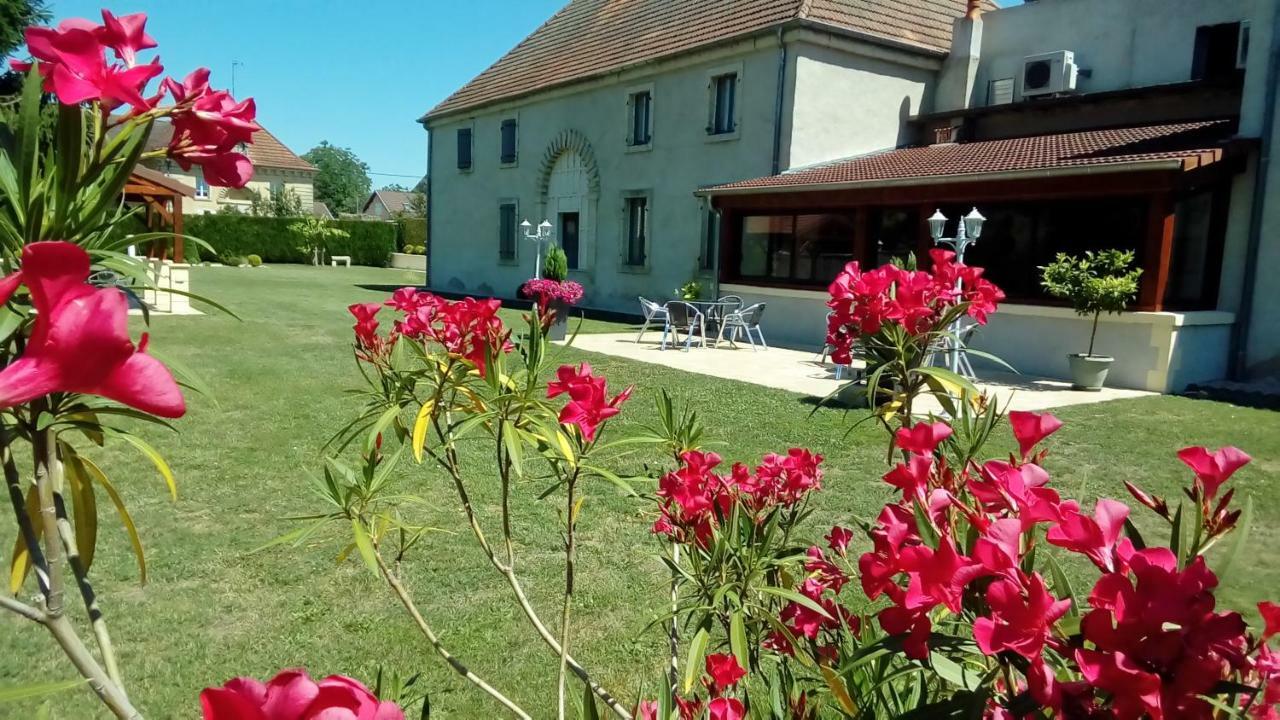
(1220, 51)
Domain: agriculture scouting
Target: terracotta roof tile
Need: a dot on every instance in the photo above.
(587, 38)
(1199, 142)
(394, 200)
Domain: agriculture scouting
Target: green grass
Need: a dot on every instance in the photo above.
(214, 609)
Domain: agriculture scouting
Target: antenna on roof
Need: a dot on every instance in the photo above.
(234, 65)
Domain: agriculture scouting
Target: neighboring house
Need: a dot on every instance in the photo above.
(321, 210)
(390, 204)
(765, 143)
(275, 168)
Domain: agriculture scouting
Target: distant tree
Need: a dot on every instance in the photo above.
(395, 187)
(15, 16)
(416, 207)
(423, 186)
(342, 181)
(276, 203)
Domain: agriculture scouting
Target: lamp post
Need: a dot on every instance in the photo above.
(544, 233)
(967, 233)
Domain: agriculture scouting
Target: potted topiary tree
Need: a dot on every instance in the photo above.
(1099, 282)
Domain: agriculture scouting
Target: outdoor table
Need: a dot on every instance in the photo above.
(713, 311)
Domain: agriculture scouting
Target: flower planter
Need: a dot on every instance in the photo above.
(405, 261)
(560, 328)
(1089, 372)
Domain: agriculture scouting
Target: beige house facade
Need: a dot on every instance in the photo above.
(276, 168)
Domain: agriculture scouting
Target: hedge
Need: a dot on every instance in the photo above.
(370, 243)
(413, 232)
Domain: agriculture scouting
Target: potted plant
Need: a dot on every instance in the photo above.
(554, 293)
(1098, 282)
(691, 290)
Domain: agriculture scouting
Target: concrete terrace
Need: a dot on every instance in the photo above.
(803, 372)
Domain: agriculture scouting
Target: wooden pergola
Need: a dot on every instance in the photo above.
(162, 196)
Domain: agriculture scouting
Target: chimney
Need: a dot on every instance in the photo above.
(975, 10)
(960, 69)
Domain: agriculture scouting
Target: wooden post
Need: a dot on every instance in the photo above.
(179, 255)
(1157, 252)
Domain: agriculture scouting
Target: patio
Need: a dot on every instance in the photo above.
(801, 371)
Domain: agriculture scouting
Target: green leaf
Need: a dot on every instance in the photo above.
(795, 597)
(589, 709)
(1243, 526)
(84, 507)
(1134, 535)
(20, 564)
(26, 692)
(96, 473)
(693, 663)
(953, 672)
(364, 545)
(384, 421)
(515, 452)
(1061, 585)
(1176, 540)
(156, 459)
(738, 639)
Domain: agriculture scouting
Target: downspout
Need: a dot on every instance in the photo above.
(1240, 338)
(778, 102)
(426, 274)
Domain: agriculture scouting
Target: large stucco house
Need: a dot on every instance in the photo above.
(275, 168)
(762, 144)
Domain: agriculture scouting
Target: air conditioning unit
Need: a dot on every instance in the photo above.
(1049, 74)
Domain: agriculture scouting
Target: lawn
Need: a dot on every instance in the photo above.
(213, 608)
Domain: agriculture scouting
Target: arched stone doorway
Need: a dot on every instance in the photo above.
(570, 188)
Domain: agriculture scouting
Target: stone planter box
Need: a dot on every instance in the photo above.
(406, 261)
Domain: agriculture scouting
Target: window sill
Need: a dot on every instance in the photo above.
(640, 148)
(465, 170)
(725, 136)
(508, 261)
(512, 164)
(633, 269)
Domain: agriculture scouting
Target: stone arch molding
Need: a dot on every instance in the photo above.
(566, 141)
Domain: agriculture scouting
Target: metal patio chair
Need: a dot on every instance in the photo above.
(746, 320)
(652, 312)
(683, 316)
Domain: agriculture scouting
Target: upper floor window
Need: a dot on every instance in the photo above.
(509, 140)
(464, 148)
(202, 188)
(641, 130)
(637, 231)
(724, 89)
(1220, 51)
(507, 231)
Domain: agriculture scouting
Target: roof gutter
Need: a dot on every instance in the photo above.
(426, 274)
(1244, 317)
(1172, 164)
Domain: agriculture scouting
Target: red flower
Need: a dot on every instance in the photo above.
(726, 709)
(1097, 537)
(74, 66)
(922, 438)
(913, 626)
(1270, 613)
(838, 540)
(589, 405)
(292, 695)
(80, 342)
(125, 35)
(1021, 618)
(1212, 469)
(725, 672)
(1031, 428)
(938, 576)
(647, 710)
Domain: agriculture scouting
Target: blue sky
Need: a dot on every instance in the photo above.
(354, 72)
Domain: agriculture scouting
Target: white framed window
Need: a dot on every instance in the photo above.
(636, 225)
(640, 117)
(508, 231)
(202, 188)
(509, 135)
(724, 112)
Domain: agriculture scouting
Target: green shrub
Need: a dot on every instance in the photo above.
(411, 232)
(556, 266)
(277, 240)
(237, 261)
(254, 260)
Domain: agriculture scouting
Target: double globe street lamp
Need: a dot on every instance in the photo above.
(967, 233)
(543, 234)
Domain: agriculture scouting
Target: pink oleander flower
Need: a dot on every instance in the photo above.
(838, 540)
(589, 404)
(725, 709)
(1212, 469)
(72, 61)
(1097, 538)
(1270, 613)
(922, 438)
(80, 342)
(1031, 428)
(1022, 617)
(546, 291)
(293, 695)
(724, 671)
